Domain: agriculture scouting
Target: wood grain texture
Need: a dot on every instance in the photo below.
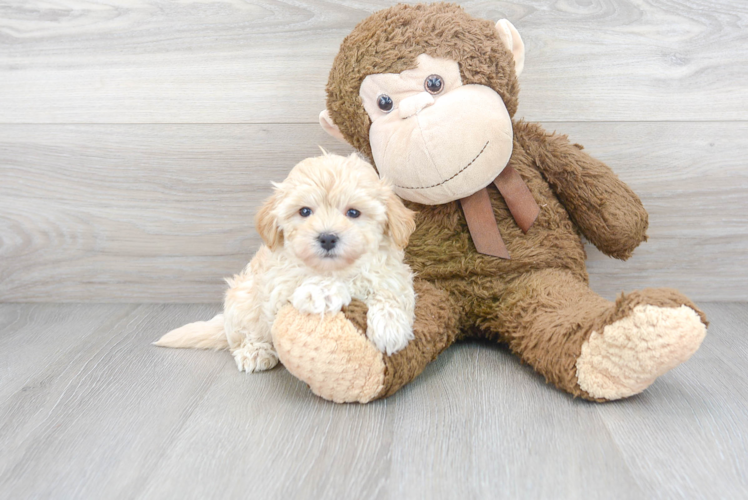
(56, 332)
(113, 211)
(100, 408)
(264, 61)
(687, 442)
(113, 416)
(161, 213)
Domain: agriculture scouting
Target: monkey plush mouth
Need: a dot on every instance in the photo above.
(455, 175)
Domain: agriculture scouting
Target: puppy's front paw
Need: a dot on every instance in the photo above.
(255, 357)
(389, 328)
(315, 299)
(337, 295)
(309, 299)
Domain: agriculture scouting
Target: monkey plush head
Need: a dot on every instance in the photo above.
(430, 87)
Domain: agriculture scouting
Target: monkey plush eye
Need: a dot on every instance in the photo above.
(433, 84)
(352, 213)
(385, 103)
(305, 212)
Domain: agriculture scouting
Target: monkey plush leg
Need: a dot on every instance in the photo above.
(334, 357)
(591, 347)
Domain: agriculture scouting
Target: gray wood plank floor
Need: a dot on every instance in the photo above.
(89, 409)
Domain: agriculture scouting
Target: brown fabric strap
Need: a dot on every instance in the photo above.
(518, 198)
(482, 225)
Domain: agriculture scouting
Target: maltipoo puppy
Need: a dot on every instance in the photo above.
(333, 231)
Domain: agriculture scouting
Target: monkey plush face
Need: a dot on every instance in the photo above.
(427, 92)
(454, 138)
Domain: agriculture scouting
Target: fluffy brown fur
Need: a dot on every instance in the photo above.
(539, 302)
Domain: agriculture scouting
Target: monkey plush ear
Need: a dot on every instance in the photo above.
(510, 36)
(329, 126)
(267, 224)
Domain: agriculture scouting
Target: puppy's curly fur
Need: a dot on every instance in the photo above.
(333, 231)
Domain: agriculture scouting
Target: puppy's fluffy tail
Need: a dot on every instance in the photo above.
(198, 335)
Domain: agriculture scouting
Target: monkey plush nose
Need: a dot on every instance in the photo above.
(413, 104)
(328, 240)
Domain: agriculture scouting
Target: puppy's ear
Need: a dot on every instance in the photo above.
(267, 223)
(401, 221)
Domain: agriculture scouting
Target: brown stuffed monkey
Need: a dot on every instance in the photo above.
(427, 93)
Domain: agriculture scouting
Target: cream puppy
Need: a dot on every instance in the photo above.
(333, 231)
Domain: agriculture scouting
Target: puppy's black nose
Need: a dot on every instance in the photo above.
(328, 240)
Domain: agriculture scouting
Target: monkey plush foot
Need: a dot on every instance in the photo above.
(330, 354)
(629, 354)
(335, 358)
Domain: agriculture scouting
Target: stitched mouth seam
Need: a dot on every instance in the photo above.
(455, 175)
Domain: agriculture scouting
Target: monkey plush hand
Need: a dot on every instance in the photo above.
(427, 93)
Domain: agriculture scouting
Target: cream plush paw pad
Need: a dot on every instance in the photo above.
(330, 355)
(632, 352)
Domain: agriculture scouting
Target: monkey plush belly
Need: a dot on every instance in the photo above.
(441, 248)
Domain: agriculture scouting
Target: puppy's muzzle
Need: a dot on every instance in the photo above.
(328, 241)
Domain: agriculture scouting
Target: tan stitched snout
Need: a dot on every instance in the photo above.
(414, 104)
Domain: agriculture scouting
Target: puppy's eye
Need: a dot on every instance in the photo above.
(352, 213)
(385, 103)
(433, 84)
(305, 212)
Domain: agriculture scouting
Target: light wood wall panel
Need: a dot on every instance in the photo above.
(128, 213)
(137, 137)
(266, 61)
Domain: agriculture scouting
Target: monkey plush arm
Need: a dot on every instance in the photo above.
(605, 209)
